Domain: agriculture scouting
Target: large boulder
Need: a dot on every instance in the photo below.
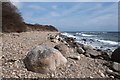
(43, 59)
(116, 55)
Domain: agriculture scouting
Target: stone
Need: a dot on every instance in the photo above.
(51, 37)
(87, 47)
(62, 48)
(105, 55)
(113, 74)
(116, 55)
(75, 57)
(44, 59)
(57, 37)
(80, 50)
(69, 39)
(54, 40)
(101, 74)
(93, 53)
(116, 66)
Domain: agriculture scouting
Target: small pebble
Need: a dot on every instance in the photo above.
(52, 75)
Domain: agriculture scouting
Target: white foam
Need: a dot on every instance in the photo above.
(79, 33)
(109, 42)
(68, 35)
(87, 35)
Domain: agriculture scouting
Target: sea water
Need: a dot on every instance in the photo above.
(100, 40)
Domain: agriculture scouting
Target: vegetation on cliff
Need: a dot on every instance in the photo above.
(12, 21)
(11, 18)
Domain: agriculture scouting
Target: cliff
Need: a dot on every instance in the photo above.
(38, 27)
(12, 21)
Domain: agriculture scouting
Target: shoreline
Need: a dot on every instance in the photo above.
(92, 39)
(17, 45)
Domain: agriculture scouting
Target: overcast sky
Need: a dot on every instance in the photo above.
(72, 16)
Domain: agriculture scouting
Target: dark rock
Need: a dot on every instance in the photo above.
(92, 40)
(43, 59)
(69, 39)
(11, 60)
(84, 40)
(116, 55)
(54, 40)
(51, 37)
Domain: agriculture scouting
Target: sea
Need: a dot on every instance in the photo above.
(99, 40)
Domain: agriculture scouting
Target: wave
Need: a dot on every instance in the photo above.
(68, 35)
(108, 42)
(79, 33)
(86, 35)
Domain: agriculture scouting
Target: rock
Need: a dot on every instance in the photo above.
(75, 57)
(57, 37)
(54, 40)
(87, 47)
(82, 56)
(93, 53)
(84, 40)
(52, 75)
(62, 48)
(116, 55)
(69, 39)
(104, 55)
(116, 66)
(80, 50)
(51, 37)
(115, 74)
(101, 74)
(43, 59)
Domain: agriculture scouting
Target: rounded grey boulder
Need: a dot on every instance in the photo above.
(43, 59)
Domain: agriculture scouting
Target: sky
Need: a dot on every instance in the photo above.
(72, 16)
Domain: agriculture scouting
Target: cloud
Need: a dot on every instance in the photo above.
(54, 14)
(55, 7)
(75, 16)
(36, 7)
